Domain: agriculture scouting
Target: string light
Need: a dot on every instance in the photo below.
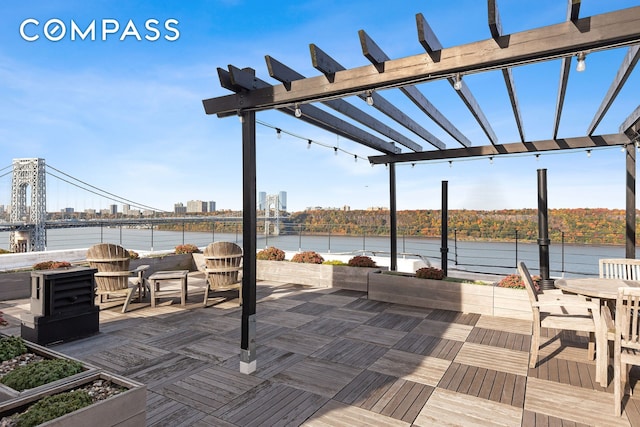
(538, 157)
(413, 165)
(240, 116)
(582, 65)
(370, 97)
(335, 150)
(355, 158)
(297, 112)
(588, 153)
(490, 160)
(450, 163)
(279, 133)
(457, 85)
(309, 144)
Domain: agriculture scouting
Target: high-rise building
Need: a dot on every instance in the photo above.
(179, 208)
(113, 209)
(196, 206)
(262, 200)
(283, 200)
(212, 206)
(126, 209)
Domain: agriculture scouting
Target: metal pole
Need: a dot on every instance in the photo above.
(249, 244)
(213, 231)
(516, 248)
(562, 254)
(329, 239)
(455, 246)
(543, 231)
(300, 238)
(101, 236)
(121, 234)
(152, 237)
(630, 211)
(183, 232)
(393, 218)
(364, 238)
(444, 229)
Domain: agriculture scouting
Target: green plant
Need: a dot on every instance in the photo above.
(50, 265)
(430, 273)
(362, 261)
(51, 407)
(334, 262)
(39, 373)
(11, 347)
(187, 249)
(271, 254)
(308, 257)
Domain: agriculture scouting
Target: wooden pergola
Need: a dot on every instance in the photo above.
(296, 95)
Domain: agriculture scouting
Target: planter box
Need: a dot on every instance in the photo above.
(463, 297)
(321, 275)
(125, 409)
(8, 394)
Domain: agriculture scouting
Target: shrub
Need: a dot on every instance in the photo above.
(133, 254)
(51, 407)
(4, 251)
(187, 249)
(271, 254)
(511, 281)
(308, 257)
(334, 262)
(39, 373)
(362, 261)
(50, 265)
(430, 273)
(515, 281)
(11, 347)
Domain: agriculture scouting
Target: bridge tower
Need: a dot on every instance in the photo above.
(28, 176)
(272, 211)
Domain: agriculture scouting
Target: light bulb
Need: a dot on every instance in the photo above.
(355, 158)
(491, 160)
(457, 85)
(370, 97)
(297, 112)
(450, 163)
(537, 157)
(582, 65)
(279, 133)
(335, 150)
(309, 145)
(588, 153)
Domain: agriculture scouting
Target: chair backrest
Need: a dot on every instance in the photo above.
(528, 282)
(619, 268)
(626, 320)
(223, 262)
(112, 262)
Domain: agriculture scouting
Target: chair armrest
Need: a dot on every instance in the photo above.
(607, 322)
(139, 269)
(567, 302)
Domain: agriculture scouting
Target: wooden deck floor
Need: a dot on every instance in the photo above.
(329, 357)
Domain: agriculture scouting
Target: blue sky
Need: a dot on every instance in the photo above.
(127, 116)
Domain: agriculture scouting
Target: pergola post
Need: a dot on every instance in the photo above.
(249, 244)
(630, 250)
(393, 218)
(444, 227)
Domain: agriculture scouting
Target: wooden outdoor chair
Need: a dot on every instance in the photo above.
(626, 347)
(223, 263)
(619, 268)
(114, 276)
(568, 312)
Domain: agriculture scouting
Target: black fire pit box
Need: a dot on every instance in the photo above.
(63, 306)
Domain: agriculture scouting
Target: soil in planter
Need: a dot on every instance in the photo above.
(55, 406)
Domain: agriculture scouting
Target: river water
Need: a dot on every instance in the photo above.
(473, 256)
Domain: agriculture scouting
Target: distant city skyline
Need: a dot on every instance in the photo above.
(125, 114)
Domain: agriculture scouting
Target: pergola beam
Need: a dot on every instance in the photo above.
(584, 142)
(463, 92)
(329, 66)
(631, 126)
(628, 64)
(573, 11)
(378, 57)
(605, 31)
(245, 78)
(495, 26)
(285, 74)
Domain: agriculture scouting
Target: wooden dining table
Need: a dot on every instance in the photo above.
(605, 292)
(595, 287)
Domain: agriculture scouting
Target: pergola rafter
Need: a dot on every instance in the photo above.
(296, 94)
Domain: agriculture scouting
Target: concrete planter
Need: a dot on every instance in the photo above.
(8, 395)
(322, 275)
(464, 297)
(125, 409)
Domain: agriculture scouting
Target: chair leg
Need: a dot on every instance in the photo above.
(535, 344)
(617, 385)
(206, 296)
(130, 293)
